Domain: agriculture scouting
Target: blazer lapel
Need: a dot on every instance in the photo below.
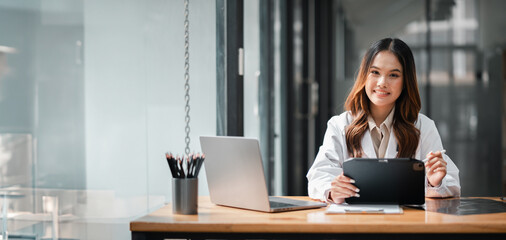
(392, 146)
(418, 154)
(367, 146)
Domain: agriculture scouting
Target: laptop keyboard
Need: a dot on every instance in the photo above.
(280, 204)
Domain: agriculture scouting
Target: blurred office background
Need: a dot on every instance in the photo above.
(92, 95)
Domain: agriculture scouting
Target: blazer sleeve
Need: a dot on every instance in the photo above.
(328, 162)
(431, 141)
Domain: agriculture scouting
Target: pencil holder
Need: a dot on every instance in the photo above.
(185, 195)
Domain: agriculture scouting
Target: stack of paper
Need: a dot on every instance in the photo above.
(364, 208)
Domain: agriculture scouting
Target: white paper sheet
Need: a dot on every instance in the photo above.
(364, 208)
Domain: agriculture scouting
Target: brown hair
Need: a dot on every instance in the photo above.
(407, 106)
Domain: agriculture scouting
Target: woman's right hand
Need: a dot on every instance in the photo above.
(342, 188)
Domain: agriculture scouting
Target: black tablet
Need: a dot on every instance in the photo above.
(387, 180)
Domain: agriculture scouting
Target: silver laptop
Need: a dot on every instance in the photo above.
(235, 176)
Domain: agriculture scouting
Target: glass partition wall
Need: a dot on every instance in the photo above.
(91, 98)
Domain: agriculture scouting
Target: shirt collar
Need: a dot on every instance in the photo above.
(388, 121)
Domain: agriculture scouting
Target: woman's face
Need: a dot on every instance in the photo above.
(384, 81)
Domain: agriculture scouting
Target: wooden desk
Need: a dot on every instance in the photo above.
(215, 221)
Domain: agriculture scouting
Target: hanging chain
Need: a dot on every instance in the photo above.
(187, 75)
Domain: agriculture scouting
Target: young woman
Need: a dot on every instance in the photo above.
(382, 120)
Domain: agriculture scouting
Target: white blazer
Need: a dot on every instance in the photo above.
(333, 152)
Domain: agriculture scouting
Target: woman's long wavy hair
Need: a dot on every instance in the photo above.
(407, 106)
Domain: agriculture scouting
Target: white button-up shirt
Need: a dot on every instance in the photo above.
(380, 135)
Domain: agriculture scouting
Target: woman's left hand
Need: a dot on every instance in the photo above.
(435, 168)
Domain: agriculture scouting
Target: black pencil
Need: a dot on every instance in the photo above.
(169, 162)
(199, 164)
(194, 166)
(181, 169)
(188, 165)
(173, 162)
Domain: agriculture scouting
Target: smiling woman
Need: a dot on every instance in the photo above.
(382, 121)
